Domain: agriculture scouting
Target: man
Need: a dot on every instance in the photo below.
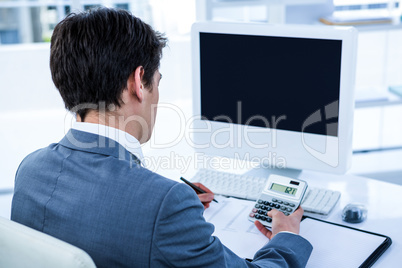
(91, 190)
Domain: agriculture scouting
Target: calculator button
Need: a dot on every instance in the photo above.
(269, 219)
(263, 218)
(260, 201)
(274, 200)
(266, 203)
(283, 207)
(277, 206)
(292, 205)
(261, 212)
(257, 206)
(269, 209)
(287, 214)
(257, 216)
(252, 215)
(289, 209)
(255, 210)
(286, 203)
(280, 202)
(264, 207)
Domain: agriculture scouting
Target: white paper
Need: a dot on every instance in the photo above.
(232, 227)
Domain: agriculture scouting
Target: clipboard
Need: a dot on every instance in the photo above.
(337, 245)
(332, 244)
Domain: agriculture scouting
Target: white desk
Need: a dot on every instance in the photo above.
(383, 200)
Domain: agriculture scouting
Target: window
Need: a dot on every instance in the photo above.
(367, 6)
(33, 21)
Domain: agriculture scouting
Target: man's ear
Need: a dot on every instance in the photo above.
(134, 84)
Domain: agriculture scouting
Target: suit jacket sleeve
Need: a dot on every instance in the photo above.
(182, 238)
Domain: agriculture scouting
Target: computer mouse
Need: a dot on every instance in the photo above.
(354, 213)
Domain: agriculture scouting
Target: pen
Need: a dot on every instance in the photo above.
(198, 189)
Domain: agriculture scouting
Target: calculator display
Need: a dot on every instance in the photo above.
(283, 189)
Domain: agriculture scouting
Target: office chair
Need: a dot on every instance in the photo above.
(21, 246)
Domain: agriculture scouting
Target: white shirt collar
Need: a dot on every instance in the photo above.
(126, 140)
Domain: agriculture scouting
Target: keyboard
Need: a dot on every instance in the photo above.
(319, 201)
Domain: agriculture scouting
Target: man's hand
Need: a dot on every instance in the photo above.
(280, 223)
(204, 198)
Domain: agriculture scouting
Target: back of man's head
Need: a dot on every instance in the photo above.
(93, 53)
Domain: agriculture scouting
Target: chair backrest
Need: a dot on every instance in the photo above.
(21, 246)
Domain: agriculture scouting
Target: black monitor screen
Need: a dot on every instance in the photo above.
(270, 81)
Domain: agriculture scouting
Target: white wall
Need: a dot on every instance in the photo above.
(32, 113)
(379, 64)
(31, 110)
(25, 80)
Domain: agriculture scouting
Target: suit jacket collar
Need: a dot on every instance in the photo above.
(88, 142)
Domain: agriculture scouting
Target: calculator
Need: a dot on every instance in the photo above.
(282, 193)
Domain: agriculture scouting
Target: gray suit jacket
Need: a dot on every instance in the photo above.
(89, 191)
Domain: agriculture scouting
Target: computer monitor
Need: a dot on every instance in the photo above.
(281, 95)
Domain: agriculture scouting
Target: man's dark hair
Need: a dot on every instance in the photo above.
(93, 54)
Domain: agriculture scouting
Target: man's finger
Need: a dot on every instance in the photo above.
(203, 187)
(206, 198)
(299, 211)
(262, 229)
(273, 213)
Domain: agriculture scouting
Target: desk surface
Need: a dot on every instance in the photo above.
(383, 200)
